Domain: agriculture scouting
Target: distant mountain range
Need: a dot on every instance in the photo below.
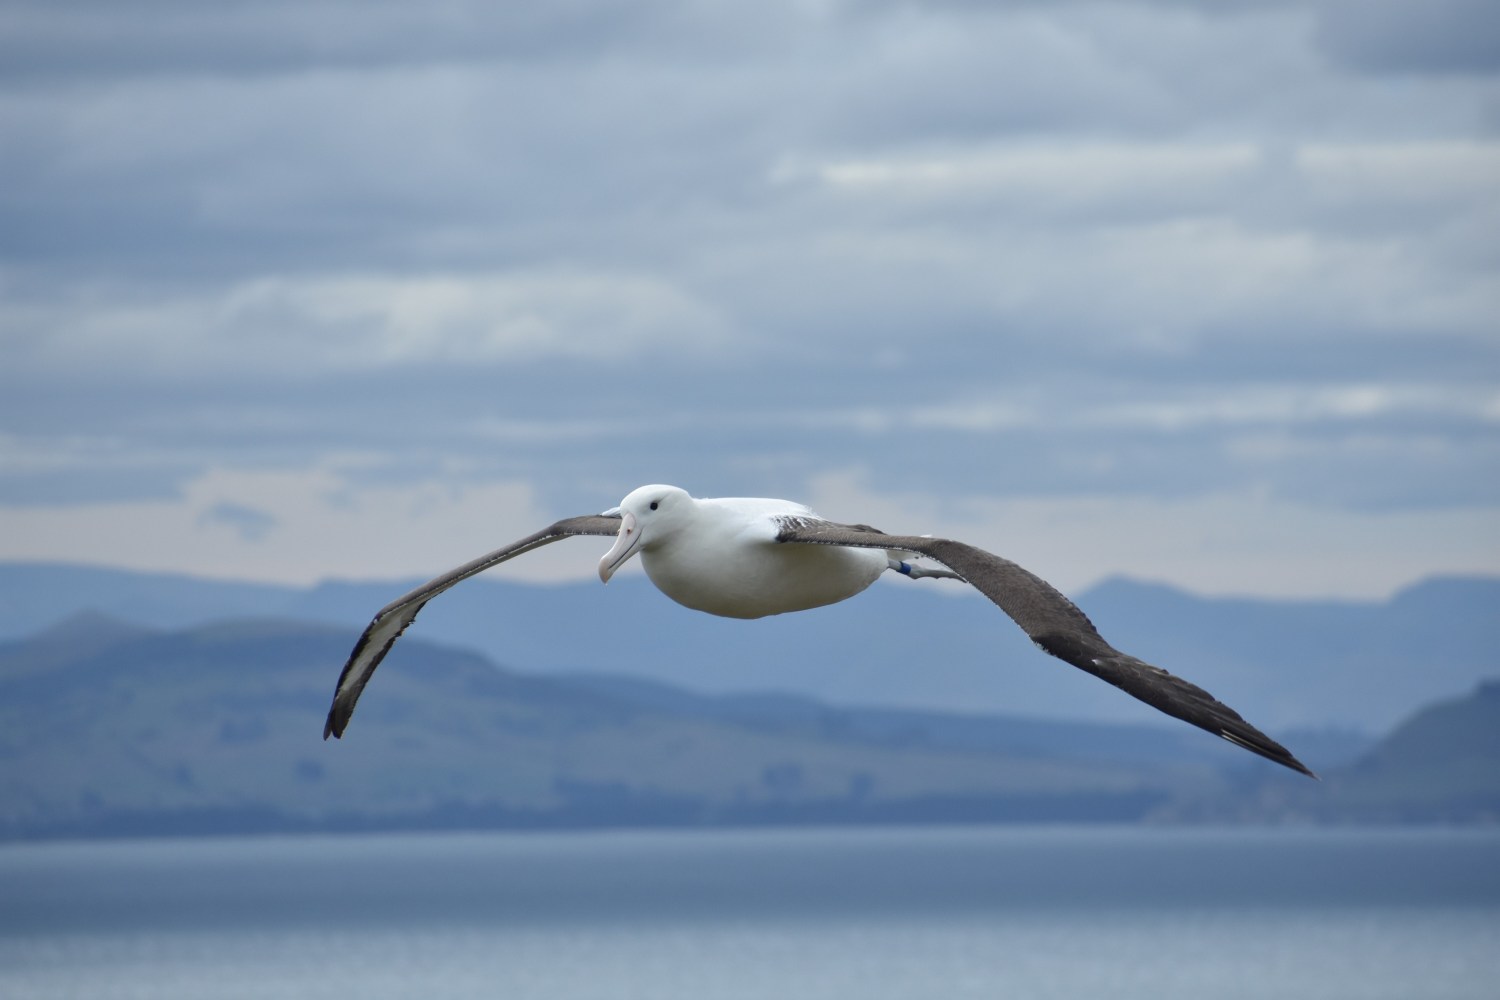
(108, 728)
(1287, 666)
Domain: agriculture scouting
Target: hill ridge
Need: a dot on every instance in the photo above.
(1281, 664)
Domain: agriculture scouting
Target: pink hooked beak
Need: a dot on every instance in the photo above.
(625, 545)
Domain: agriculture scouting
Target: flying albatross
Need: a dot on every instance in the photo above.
(748, 558)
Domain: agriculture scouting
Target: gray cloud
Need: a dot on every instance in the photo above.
(1391, 36)
(174, 38)
(1160, 250)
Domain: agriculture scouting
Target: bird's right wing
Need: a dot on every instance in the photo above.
(1056, 625)
(387, 626)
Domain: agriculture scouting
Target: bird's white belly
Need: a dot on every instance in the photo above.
(762, 578)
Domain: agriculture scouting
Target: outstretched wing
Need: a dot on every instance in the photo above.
(387, 626)
(1056, 625)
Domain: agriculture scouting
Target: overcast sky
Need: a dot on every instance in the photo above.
(1199, 292)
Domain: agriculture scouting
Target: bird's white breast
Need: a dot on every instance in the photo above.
(728, 563)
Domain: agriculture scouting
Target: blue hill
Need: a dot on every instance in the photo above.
(907, 644)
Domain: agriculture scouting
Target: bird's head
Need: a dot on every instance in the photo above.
(648, 516)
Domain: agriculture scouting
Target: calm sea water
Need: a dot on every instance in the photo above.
(714, 915)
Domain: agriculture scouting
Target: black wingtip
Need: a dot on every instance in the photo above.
(335, 726)
(1299, 767)
(1272, 751)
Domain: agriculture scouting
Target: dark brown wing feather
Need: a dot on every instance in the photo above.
(1057, 625)
(387, 626)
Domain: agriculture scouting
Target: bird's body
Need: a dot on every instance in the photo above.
(725, 560)
(751, 557)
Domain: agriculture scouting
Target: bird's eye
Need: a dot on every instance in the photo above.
(655, 504)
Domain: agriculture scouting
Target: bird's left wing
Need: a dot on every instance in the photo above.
(387, 626)
(1056, 625)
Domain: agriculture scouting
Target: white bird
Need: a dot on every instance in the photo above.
(752, 557)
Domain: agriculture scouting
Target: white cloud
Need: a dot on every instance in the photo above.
(1062, 176)
(295, 526)
(1177, 408)
(310, 324)
(298, 526)
(1448, 170)
(1223, 544)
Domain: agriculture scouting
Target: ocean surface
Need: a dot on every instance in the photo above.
(1012, 912)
